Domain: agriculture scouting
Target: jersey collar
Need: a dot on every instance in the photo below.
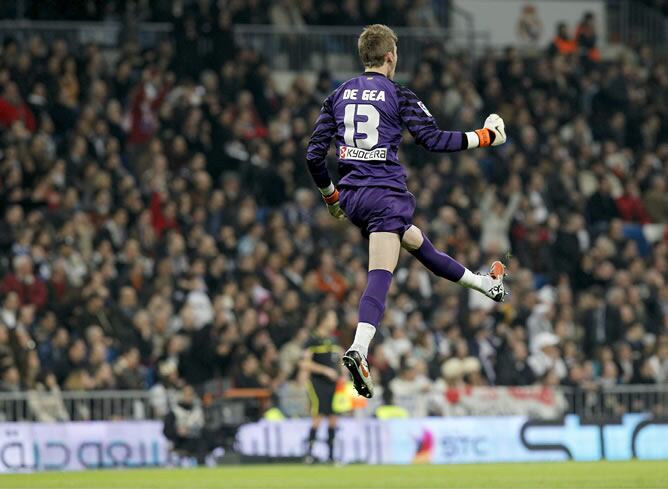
(373, 73)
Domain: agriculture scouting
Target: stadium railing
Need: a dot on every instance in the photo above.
(76, 405)
(611, 402)
(311, 48)
(316, 48)
(589, 403)
(77, 34)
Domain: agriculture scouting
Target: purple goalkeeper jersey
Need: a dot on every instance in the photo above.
(366, 115)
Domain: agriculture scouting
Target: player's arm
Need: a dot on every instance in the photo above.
(317, 149)
(424, 129)
(307, 364)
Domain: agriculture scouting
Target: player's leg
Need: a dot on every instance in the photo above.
(384, 249)
(327, 409)
(315, 418)
(331, 435)
(443, 265)
(315, 423)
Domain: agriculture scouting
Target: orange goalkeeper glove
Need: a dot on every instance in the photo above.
(331, 197)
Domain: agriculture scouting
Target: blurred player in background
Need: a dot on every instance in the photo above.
(321, 362)
(365, 115)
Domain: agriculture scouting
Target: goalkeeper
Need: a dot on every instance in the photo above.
(365, 115)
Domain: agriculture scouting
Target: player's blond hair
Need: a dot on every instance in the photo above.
(374, 43)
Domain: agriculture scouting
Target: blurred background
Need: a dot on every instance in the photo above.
(164, 254)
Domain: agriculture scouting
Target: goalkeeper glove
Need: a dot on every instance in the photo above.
(331, 197)
(493, 132)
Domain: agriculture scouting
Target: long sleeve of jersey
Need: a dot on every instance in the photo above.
(422, 125)
(318, 145)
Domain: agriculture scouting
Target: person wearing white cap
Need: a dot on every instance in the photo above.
(540, 320)
(545, 356)
(444, 398)
(452, 371)
(472, 371)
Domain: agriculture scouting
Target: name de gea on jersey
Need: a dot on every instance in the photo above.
(372, 95)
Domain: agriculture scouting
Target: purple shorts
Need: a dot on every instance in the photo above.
(378, 209)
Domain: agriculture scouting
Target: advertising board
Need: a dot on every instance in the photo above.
(466, 439)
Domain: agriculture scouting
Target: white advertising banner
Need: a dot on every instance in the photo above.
(81, 445)
(500, 19)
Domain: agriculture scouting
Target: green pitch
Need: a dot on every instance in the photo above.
(572, 475)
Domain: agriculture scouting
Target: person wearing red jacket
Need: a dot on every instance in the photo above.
(630, 205)
(329, 280)
(30, 288)
(163, 213)
(562, 43)
(146, 102)
(13, 108)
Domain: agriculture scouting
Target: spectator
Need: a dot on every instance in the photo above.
(29, 287)
(6, 353)
(540, 321)
(13, 109)
(409, 389)
(329, 280)
(146, 101)
(420, 15)
(10, 309)
(659, 361)
(10, 380)
(74, 361)
(512, 367)
(128, 370)
(250, 375)
(631, 207)
(586, 38)
(602, 321)
(46, 402)
(529, 26)
(656, 200)
(496, 220)
(545, 357)
(601, 207)
(562, 43)
(184, 424)
(94, 313)
(285, 13)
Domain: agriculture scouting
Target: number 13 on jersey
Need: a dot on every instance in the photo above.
(361, 120)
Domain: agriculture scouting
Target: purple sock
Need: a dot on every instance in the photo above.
(372, 303)
(440, 264)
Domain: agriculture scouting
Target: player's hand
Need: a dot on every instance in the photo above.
(496, 125)
(333, 206)
(336, 211)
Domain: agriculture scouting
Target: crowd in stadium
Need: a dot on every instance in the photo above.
(159, 227)
(293, 13)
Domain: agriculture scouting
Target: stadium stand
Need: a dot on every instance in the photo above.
(159, 229)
